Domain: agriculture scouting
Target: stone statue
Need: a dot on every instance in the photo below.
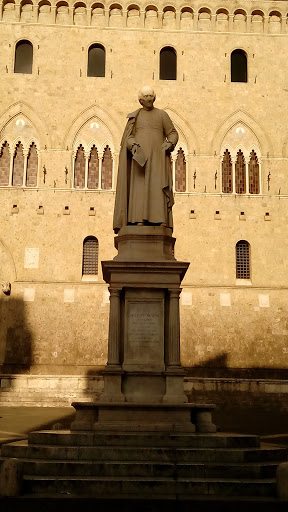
(144, 193)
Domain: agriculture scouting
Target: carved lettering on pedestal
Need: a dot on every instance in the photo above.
(143, 327)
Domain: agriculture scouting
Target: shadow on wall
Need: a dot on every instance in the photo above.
(16, 340)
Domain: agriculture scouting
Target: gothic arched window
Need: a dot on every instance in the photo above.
(242, 260)
(79, 168)
(90, 256)
(96, 60)
(168, 64)
(23, 57)
(4, 164)
(180, 172)
(240, 174)
(93, 169)
(227, 186)
(18, 166)
(32, 167)
(107, 167)
(238, 66)
(254, 175)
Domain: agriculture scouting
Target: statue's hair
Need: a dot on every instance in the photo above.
(145, 87)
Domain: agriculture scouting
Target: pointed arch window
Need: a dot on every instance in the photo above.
(96, 60)
(253, 171)
(227, 186)
(23, 57)
(243, 260)
(18, 166)
(32, 167)
(180, 172)
(107, 168)
(93, 169)
(90, 256)
(238, 66)
(168, 64)
(240, 174)
(4, 164)
(79, 168)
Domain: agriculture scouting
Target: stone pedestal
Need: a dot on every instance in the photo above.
(143, 378)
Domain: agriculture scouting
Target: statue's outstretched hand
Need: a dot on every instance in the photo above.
(168, 146)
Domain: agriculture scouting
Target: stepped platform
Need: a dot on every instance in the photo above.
(147, 465)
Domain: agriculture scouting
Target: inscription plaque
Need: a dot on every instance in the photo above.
(144, 338)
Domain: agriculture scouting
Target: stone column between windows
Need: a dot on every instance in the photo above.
(233, 160)
(100, 157)
(53, 11)
(86, 155)
(230, 23)
(142, 19)
(173, 347)
(213, 22)
(11, 169)
(73, 168)
(247, 175)
(178, 15)
(17, 12)
(89, 15)
(25, 155)
(160, 19)
(71, 15)
(115, 162)
(174, 158)
(114, 328)
(248, 23)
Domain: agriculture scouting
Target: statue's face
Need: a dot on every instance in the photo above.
(147, 101)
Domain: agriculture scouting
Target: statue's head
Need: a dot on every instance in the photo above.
(147, 97)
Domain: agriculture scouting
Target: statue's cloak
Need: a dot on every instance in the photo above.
(124, 173)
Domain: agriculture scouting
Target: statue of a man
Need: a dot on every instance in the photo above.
(144, 194)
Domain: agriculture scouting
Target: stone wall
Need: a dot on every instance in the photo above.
(55, 321)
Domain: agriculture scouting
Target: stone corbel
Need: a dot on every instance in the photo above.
(6, 287)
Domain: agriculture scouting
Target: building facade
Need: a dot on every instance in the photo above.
(70, 74)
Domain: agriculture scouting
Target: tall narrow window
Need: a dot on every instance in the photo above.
(242, 260)
(226, 173)
(93, 169)
(96, 60)
(90, 256)
(79, 168)
(32, 167)
(4, 164)
(254, 181)
(106, 177)
(238, 66)
(240, 174)
(18, 166)
(23, 57)
(168, 64)
(180, 172)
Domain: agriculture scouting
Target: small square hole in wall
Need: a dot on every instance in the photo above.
(192, 214)
(242, 216)
(217, 215)
(92, 210)
(15, 209)
(40, 210)
(267, 216)
(66, 210)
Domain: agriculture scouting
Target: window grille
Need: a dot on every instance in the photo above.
(79, 168)
(23, 57)
(242, 260)
(4, 164)
(90, 256)
(18, 166)
(238, 66)
(168, 64)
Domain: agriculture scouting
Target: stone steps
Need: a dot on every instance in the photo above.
(57, 468)
(198, 440)
(21, 449)
(147, 487)
(153, 465)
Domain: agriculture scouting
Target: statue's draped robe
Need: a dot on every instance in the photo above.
(145, 194)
